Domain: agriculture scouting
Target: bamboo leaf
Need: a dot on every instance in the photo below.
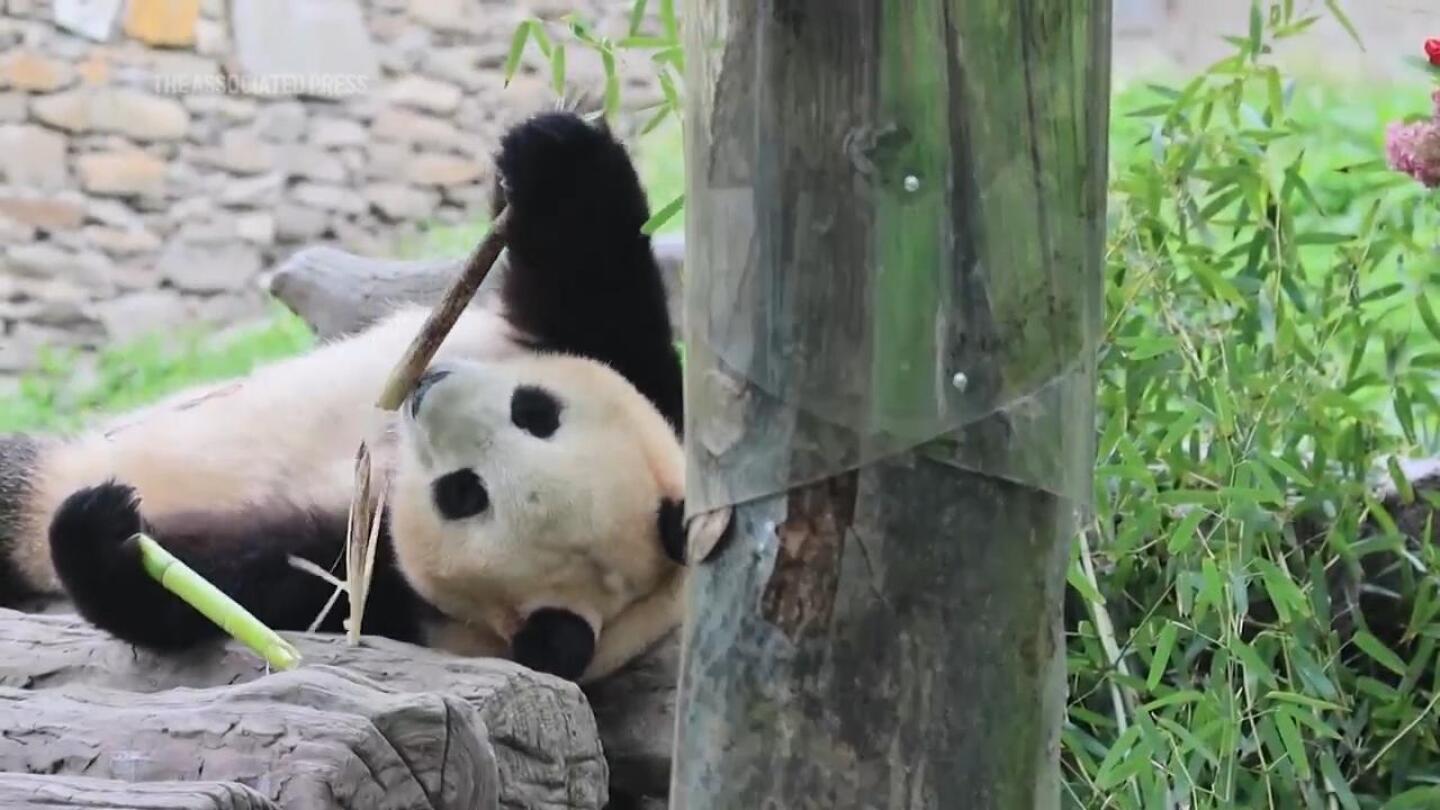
(637, 16)
(1335, 782)
(1419, 798)
(557, 68)
(517, 49)
(1294, 745)
(1404, 412)
(1285, 468)
(612, 84)
(662, 113)
(663, 216)
(1127, 756)
(1182, 537)
(542, 39)
(1163, 647)
(1174, 699)
(1427, 314)
(668, 20)
(1344, 21)
(641, 42)
(1303, 700)
(1257, 28)
(1377, 650)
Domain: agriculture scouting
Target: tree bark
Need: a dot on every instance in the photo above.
(882, 196)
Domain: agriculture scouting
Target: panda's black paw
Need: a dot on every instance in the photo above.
(96, 555)
(558, 170)
(674, 534)
(91, 536)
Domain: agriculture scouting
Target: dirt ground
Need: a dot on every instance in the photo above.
(1185, 34)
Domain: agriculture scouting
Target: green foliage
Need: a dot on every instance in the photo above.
(64, 393)
(654, 31)
(1268, 356)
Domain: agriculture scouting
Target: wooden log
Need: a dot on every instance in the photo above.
(547, 749)
(317, 737)
(896, 216)
(22, 791)
(635, 712)
(337, 293)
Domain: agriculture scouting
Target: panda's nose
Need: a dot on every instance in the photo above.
(423, 386)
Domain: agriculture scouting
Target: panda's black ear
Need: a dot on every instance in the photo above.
(672, 529)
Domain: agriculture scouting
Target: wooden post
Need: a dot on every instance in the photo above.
(893, 275)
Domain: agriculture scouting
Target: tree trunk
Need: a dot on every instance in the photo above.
(892, 293)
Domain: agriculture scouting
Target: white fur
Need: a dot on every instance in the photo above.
(574, 519)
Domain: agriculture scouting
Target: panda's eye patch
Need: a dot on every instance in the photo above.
(460, 494)
(535, 411)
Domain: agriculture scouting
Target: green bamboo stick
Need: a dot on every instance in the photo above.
(181, 580)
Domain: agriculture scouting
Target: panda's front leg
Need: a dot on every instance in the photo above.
(245, 554)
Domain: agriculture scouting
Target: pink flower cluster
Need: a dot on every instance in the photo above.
(1415, 148)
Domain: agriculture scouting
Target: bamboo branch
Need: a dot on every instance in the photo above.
(443, 316)
(365, 508)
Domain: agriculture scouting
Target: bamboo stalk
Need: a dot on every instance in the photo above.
(365, 509)
(443, 316)
(182, 580)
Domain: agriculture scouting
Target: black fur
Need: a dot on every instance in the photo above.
(245, 554)
(535, 411)
(583, 279)
(556, 642)
(18, 455)
(672, 529)
(459, 495)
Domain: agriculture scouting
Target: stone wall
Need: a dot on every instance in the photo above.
(150, 169)
(1187, 35)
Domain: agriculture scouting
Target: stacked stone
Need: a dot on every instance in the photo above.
(129, 206)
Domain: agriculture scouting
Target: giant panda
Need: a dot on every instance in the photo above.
(537, 481)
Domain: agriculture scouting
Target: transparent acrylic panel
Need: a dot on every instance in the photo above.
(893, 243)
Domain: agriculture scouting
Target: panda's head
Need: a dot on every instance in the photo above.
(536, 502)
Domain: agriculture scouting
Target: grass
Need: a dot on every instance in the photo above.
(67, 390)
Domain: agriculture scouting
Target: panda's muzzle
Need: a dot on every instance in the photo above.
(423, 386)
